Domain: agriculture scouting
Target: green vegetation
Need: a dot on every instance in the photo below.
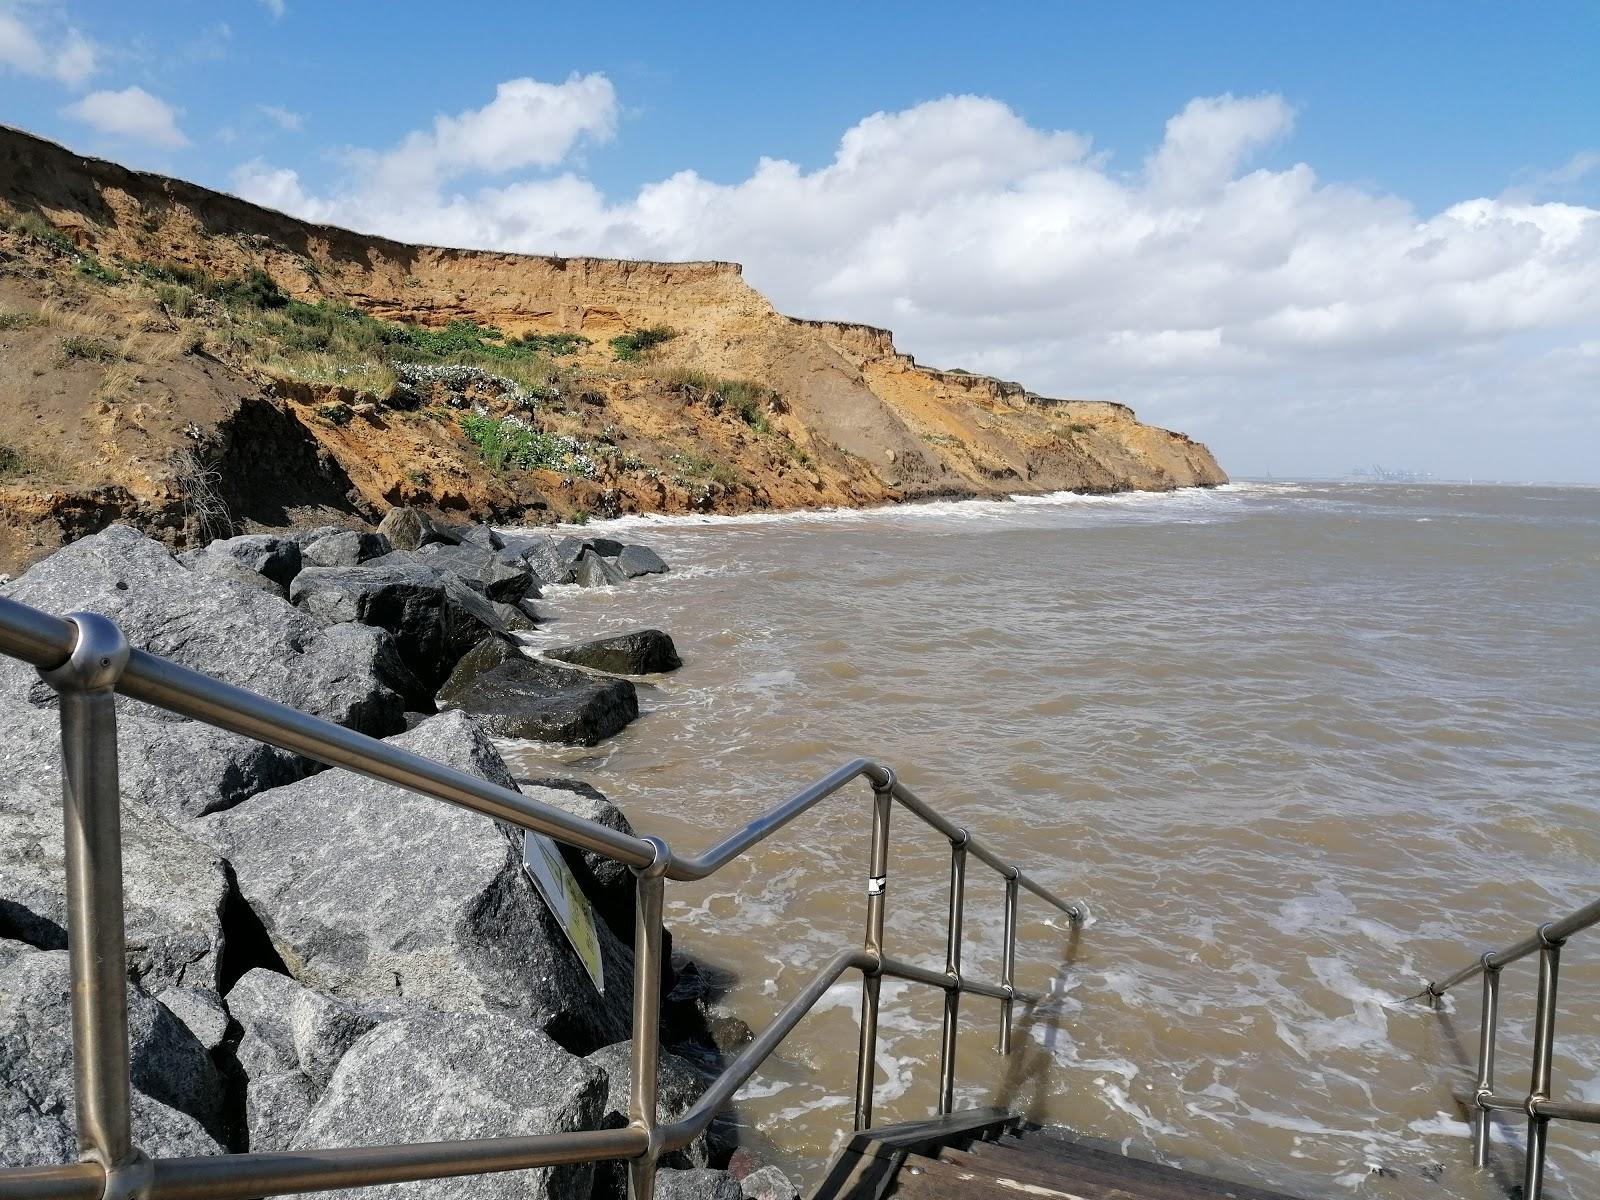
(553, 344)
(632, 346)
(15, 320)
(10, 461)
(335, 413)
(749, 400)
(97, 270)
(506, 443)
(698, 466)
(33, 225)
(178, 299)
(78, 348)
(1080, 427)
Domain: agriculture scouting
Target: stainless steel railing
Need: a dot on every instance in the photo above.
(1541, 1108)
(86, 659)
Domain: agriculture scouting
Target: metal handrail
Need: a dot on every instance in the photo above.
(87, 660)
(1538, 1104)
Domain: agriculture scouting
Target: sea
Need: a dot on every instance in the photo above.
(1298, 747)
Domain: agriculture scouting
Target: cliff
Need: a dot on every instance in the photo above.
(195, 363)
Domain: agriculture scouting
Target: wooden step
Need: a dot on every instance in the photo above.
(931, 1179)
(1051, 1144)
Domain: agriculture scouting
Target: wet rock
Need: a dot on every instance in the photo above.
(482, 570)
(408, 528)
(517, 618)
(377, 895)
(488, 654)
(346, 673)
(433, 620)
(701, 1183)
(550, 561)
(635, 561)
(608, 883)
(539, 700)
(177, 1093)
(347, 548)
(768, 1183)
(443, 1076)
(202, 1013)
(642, 652)
(604, 547)
(175, 886)
(591, 570)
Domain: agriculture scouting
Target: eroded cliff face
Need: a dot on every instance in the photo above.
(113, 396)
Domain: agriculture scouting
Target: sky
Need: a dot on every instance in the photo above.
(1315, 236)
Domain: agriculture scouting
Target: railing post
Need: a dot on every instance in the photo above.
(92, 812)
(648, 897)
(1544, 1038)
(952, 968)
(877, 883)
(1486, 1042)
(1008, 964)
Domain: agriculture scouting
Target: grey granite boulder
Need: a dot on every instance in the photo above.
(530, 699)
(520, 617)
(201, 1011)
(293, 1038)
(550, 561)
(177, 1093)
(276, 559)
(679, 1086)
(248, 638)
(635, 561)
(482, 536)
(408, 528)
(593, 570)
(768, 1183)
(482, 570)
(700, 1183)
(347, 548)
(175, 886)
(377, 895)
(488, 654)
(438, 1076)
(608, 883)
(433, 622)
(641, 652)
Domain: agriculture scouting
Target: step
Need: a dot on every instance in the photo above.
(1057, 1146)
(930, 1179)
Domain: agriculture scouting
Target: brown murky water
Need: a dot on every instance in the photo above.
(1298, 746)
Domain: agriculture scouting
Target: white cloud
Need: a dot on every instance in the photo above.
(283, 118)
(1193, 287)
(68, 57)
(276, 8)
(131, 113)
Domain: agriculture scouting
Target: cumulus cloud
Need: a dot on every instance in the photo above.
(67, 57)
(131, 113)
(1259, 307)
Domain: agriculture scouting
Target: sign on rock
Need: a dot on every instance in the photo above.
(548, 870)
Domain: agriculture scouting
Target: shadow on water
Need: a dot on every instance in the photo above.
(1506, 1150)
(1025, 1088)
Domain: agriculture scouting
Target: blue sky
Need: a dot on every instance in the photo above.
(1078, 241)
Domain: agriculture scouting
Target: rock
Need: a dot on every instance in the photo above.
(539, 700)
(550, 561)
(481, 570)
(642, 652)
(274, 558)
(177, 1093)
(346, 674)
(304, 537)
(635, 561)
(604, 547)
(485, 656)
(679, 1086)
(768, 1183)
(481, 536)
(377, 895)
(701, 1183)
(347, 548)
(445, 1076)
(202, 1013)
(517, 618)
(608, 883)
(433, 620)
(174, 886)
(408, 528)
(591, 570)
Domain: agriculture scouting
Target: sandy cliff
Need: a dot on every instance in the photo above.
(183, 408)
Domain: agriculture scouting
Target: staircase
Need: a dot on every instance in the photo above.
(986, 1154)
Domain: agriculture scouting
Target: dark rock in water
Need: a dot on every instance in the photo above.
(642, 652)
(485, 656)
(604, 547)
(701, 1183)
(376, 895)
(546, 558)
(517, 618)
(608, 883)
(346, 674)
(177, 1093)
(593, 571)
(635, 561)
(539, 700)
(293, 1038)
(442, 1077)
(480, 569)
(347, 548)
(434, 620)
(679, 1086)
(409, 528)
(175, 887)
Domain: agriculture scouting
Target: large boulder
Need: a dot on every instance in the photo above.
(292, 1039)
(699, 1183)
(346, 548)
(525, 698)
(345, 674)
(635, 561)
(445, 1076)
(488, 654)
(375, 894)
(608, 883)
(408, 528)
(257, 560)
(595, 570)
(483, 536)
(641, 652)
(678, 1086)
(549, 560)
(177, 1093)
(482, 570)
(433, 619)
(175, 888)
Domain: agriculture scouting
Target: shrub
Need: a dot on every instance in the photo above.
(553, 344)
(14, 320)
(35, 226)
(86, 349)
(10, 460)
(254, 289)
(177, 298)
(632, 346)
(335, 413)
(507, 443)
(97, 270)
